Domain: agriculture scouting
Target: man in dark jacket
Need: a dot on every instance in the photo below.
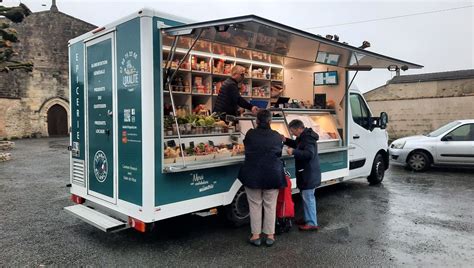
(229, 99)
(308, 172)
(262, 175)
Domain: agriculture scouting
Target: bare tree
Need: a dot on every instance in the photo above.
(8, 37)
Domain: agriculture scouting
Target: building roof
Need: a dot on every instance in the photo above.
(416, 78)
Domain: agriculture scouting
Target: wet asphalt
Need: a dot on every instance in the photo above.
(411, 219)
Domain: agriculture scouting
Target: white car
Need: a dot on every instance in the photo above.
(451, 144)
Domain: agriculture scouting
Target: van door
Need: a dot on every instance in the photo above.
(100, 123)
(359, 162)
(457, 147)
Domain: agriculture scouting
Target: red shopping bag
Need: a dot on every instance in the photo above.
(285, 205)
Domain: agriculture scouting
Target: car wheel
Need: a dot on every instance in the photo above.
(238, 212)
(378, 170)
(419, 161)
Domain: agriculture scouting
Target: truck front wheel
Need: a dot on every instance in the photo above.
(378, 170)
(238, 211)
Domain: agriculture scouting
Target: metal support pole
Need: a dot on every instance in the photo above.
(168, 80)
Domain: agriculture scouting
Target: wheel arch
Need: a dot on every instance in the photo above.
(385, 156)
(428, 153)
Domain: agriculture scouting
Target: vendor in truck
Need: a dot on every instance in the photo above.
(229, 99)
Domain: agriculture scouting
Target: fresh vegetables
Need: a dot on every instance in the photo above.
(196, 120)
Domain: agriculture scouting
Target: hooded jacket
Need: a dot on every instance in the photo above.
(308, 172)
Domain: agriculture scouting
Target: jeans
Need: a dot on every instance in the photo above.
(309, 205)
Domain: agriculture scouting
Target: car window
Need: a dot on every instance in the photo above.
(443, 129)
(462, 133)
(360, 112)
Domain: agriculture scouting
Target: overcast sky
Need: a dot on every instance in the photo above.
(440, 41)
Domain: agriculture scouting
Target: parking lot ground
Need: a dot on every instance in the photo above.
(411, 219)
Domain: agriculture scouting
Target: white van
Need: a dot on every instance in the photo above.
(368, 141)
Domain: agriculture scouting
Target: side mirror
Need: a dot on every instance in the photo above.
(383, 120)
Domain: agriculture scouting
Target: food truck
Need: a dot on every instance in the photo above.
(145, 145)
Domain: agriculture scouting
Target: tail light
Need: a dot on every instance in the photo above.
(77, 199)
(137, 224)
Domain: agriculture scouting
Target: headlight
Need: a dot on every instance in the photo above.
(398, 144)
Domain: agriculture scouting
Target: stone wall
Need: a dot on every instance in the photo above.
(44, 40)
(417, 108)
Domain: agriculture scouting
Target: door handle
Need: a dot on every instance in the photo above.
(356, 136)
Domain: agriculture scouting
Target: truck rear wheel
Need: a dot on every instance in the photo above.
(378, 170)
(238, 211)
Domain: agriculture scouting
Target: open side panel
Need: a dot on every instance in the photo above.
(256, 33)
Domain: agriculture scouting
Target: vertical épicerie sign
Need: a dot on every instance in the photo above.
(130, 111)
(76, 70)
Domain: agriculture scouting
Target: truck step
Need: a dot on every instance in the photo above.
(95, 218)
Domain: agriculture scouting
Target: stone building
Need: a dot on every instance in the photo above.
(420, 103)
(37, 103)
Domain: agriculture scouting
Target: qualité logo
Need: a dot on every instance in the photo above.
(128, 70)
(101, 166)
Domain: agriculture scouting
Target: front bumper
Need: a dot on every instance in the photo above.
(398, 156)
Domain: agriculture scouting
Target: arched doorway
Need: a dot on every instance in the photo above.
(57, 121)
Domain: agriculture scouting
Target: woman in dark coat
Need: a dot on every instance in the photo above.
(308, 172)
(262, 175)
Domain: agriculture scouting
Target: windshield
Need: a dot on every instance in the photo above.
(443, 129)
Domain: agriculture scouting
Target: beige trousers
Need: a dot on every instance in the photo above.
(258, 199)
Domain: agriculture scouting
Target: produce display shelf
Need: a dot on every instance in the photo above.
(202, 135)
(200, 72)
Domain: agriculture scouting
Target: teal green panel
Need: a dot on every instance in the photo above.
(175, 187)
(129, 109)
(99, 77)
(76, 93)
